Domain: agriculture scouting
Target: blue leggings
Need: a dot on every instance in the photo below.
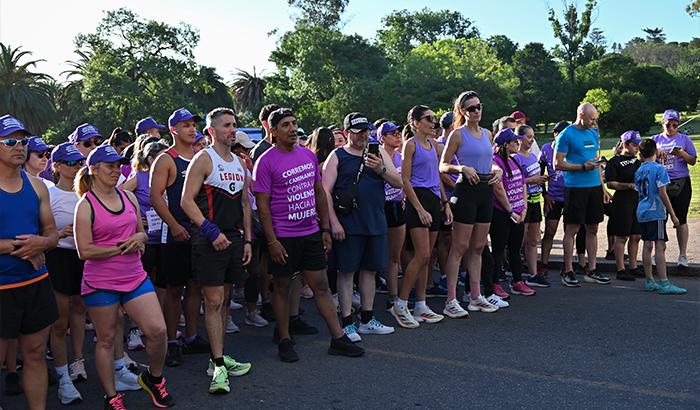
(100, 298)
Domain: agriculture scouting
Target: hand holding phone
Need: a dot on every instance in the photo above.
(373, 149)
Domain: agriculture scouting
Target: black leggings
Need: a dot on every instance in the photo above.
(506, 234)
(251, 288)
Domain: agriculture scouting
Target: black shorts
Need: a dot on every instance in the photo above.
(174, 264)
(472, 203)
(214, 268)
(681, 202)
(66, 270)
(654, 230)
(149, 259)
(623, 214)
(556, 211)
(395, 214)
(534, 212)
(27, 309)
(431, 203)
(305, 253)
(583, 206)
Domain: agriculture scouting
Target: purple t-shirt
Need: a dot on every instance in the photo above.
(289, 178)
(675, 165)
(555, 185)
(513, 185)
(531, 166)
(392, 194)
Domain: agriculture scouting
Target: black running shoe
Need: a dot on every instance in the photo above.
(198, 346)
(285, 350)
(159, 394)
(298, 326)
(12, 387)
(569, 279)
(624, 275)
(595, 277)
(115, 403)
(344, 347)
(174, 356)
(609, 255)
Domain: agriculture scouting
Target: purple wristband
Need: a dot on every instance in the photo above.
(209, 230)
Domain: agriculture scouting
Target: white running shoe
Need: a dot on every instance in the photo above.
(481, 304)
(466, 298)
(254, 319)
(351, 331)
(129, 363)
(356, 301)
(404, 317)
(426, 315)
(306, 292)
(181, 322)
(235, 305)
(496, 300)
(230, 326)
(67, 393)
(454, 310)
(134, 341)
(683, 261)
(125, 380)
(76, 370)
(374, 327)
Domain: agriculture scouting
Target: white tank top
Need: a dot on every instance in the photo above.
(63, 209)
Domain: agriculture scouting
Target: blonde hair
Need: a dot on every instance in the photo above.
(459, 118)
(83, 181)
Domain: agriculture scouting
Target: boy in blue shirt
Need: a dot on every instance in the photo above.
(650, 181)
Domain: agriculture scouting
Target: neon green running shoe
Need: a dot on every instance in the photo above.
(233, 367)
(219, 381)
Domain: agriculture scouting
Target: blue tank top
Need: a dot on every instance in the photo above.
(424, 171)
(475, 152)
(174, 192)
(368, 218)
(19, 216)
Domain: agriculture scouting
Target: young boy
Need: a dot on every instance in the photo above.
(650, 181)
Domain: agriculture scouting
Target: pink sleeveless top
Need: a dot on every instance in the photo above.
(122, 273)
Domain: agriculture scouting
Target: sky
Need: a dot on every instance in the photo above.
(47, 28)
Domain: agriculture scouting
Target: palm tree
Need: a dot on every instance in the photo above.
(248, 89)
(25, 94)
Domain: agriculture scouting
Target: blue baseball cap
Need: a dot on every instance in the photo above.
(66, 152)
(36, 144)
(10, 124)
(182, 114)
(506, 135)
(631, 136)
(198, 137)
(386, 128)
(671, 114)
(146, 124)
(105, 153)
(84, 132)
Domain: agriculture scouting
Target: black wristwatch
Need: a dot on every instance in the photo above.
(325, 230)
(247, 242)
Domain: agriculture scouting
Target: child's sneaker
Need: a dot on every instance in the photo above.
(650, 285)
(668, 288)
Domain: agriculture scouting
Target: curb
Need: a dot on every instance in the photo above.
(604, 265)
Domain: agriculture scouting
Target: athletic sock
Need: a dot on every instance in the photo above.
(400, 303)
(366, 316)
(420, 305)
(347, 321)
(154, 379)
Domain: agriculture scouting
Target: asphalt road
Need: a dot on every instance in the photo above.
(592, 347)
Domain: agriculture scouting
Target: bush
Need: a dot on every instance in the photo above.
(621, 111)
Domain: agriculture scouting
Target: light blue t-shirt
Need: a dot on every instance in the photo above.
(647, 180)
(579, 146)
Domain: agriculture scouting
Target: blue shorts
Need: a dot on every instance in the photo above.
(101, 298)
(361, 252)
(654, 230)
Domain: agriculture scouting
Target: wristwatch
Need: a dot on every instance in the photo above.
(383, 171)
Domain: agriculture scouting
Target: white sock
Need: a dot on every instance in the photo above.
(118, 364)
(62, 371)
(420, 305)
(400, 303)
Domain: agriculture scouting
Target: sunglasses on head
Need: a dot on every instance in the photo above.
(12, 142)
(79, 162)
(473, 108)
(42, 154)
(92, 141)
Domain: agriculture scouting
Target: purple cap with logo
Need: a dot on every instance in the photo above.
(146, 124)
(198, 137)
(66, 152)
(105, 153)
(10, 124)
(182, 114)
(36, 144)
(386, 128)
(631, 136)
(506, 135)
(671, 114)
(84, 132)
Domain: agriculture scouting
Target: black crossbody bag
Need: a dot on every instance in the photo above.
(345, 199)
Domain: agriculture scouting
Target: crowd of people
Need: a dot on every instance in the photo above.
(140, 233)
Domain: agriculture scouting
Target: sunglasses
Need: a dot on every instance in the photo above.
(12, 142)
(42, 154)
(432, 118)
(671, 125)
(93, 141)
(75, 163)
(473, 108)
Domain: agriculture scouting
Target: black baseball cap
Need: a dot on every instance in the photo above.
(356, 121)
(561, 126)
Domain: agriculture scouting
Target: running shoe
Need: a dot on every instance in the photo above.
(596, 277)
(650, 285)
(130, 363)
(502, 293)
(520, 288)
(351, 332)
(436, 291)
(219, 381)
(625, 275)
(285, 350)
(494, 299)
(356, 300)
(427, 315)
(462, 278)
(67, 393)
(454, 310)
(344, 347)
(233, 305)
(389, 305)
(569, 279)
(381, 285)
(115, 403)
(609, 255)
(306, 292)
(76, 370)
(668, 288)
(298, 326)
(197, 346)
(267, 313)
(230, 326)
(134, 341)
(173, 357)
(537, 281)
(682, 261)
(374, 327)
(158, 392)
(404, 317)
(255, 319)
(12, 386)
(234, 368)
(125, 380)
(481, 304)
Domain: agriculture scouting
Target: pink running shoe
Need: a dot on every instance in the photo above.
(520, 288)
(500, 292)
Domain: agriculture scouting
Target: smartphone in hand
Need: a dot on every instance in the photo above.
(373, 148)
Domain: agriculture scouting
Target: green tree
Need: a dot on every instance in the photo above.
(325, 13)
(248, 90)
(655, 35)
(403, 30)
(24, 93)
(505, 47)
(693, 8)
(571, 33)
(620, 111)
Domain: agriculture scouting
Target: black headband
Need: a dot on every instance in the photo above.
(278, 115)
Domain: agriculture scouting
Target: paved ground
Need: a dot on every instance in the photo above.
(592, 347)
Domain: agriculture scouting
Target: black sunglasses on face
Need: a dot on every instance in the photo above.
(93, 141)
(42, 154)
(432, 118)
(79, 162)
(671, 125)
(473, 108)
(12, 142)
